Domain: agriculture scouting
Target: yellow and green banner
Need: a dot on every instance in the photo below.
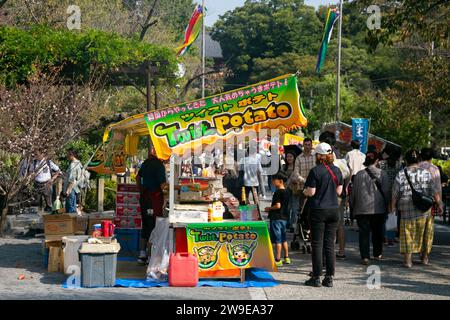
(270, 104)
(231, 245)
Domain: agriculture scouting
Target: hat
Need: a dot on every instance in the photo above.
(324, 148)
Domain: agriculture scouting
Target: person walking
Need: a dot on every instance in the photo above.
(293, 188)
(342, 199)
(391, 165)
(426, 156)
(323, 186)
(416, 225)
(251, 168)
(71, 181)
(46, 172)
(370, 206)
(151, 181)
(355, 158)
(278, 216)
(303, 165)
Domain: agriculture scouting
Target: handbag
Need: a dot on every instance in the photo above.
(420, 200)
(391, 222)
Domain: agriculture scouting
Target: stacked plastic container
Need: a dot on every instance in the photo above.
(128, 209)
(128, 220)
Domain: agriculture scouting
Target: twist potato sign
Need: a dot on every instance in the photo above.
(270, 104)
(230, 245)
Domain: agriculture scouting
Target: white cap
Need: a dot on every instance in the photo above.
(324, 148)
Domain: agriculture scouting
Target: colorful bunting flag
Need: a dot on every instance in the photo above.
(332, 17)
(192, 31)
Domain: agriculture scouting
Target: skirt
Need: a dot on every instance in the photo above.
(416, 235)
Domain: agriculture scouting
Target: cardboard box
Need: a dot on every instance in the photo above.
(128, 210)
(55, 259)
(81, 224)
(128, 222)
(59, 224)
(128, 198)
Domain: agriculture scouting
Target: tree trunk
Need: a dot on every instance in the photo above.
(3, 217)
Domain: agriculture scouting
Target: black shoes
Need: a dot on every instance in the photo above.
(328, 282)
(315, 282)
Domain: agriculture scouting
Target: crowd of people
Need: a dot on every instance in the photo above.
(52, 184)
(316, 185)
(320, 184)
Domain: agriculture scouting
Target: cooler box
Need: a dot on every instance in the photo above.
(183, 270)
(98, 264)
(129, 239)
(71, 245)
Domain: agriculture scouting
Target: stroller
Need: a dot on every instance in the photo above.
(303, 231)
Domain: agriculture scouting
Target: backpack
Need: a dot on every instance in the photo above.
(342, 165)
(83, 183)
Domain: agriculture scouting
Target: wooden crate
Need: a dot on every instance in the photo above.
(55, 259)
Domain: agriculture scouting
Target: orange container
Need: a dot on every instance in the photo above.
(183, 270)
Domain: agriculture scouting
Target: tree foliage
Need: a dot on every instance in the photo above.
(23, 51)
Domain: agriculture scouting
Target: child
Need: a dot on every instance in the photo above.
(279, 215)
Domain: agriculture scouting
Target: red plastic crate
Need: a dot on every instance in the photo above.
(183, 270)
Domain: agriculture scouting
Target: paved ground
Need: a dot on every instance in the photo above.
(23, 256)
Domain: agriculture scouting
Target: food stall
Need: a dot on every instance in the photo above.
(205, 219)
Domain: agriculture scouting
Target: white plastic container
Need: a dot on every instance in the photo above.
(71, 246)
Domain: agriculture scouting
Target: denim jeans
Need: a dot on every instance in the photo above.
(71, 202)
(370, 224)
(324, 223)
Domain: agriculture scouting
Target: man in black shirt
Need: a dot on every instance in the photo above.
(279, 215)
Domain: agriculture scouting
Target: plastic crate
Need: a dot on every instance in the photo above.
(129, 239)
(98, 269)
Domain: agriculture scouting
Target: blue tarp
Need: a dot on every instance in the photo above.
(253, 278)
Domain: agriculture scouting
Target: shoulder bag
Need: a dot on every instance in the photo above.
(378, 185)
(420, 200)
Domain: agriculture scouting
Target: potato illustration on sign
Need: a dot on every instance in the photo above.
(207, 255)
(240, 255)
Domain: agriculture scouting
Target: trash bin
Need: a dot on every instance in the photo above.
(98, 264)
(71, 245)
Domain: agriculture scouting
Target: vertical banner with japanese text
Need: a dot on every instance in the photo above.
(360, 132)
(270, 104)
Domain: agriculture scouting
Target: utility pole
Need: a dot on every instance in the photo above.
(148, 83)
(203, 48)
(338, 80)
(429, 114)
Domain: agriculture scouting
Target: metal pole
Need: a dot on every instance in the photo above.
(203, 49)
(148, 84)
(338, 80)
(156, 95)
(429, 114)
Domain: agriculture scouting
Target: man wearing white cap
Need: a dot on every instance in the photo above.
(323, 186)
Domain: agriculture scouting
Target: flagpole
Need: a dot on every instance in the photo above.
(203, 49)
(338, 80)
